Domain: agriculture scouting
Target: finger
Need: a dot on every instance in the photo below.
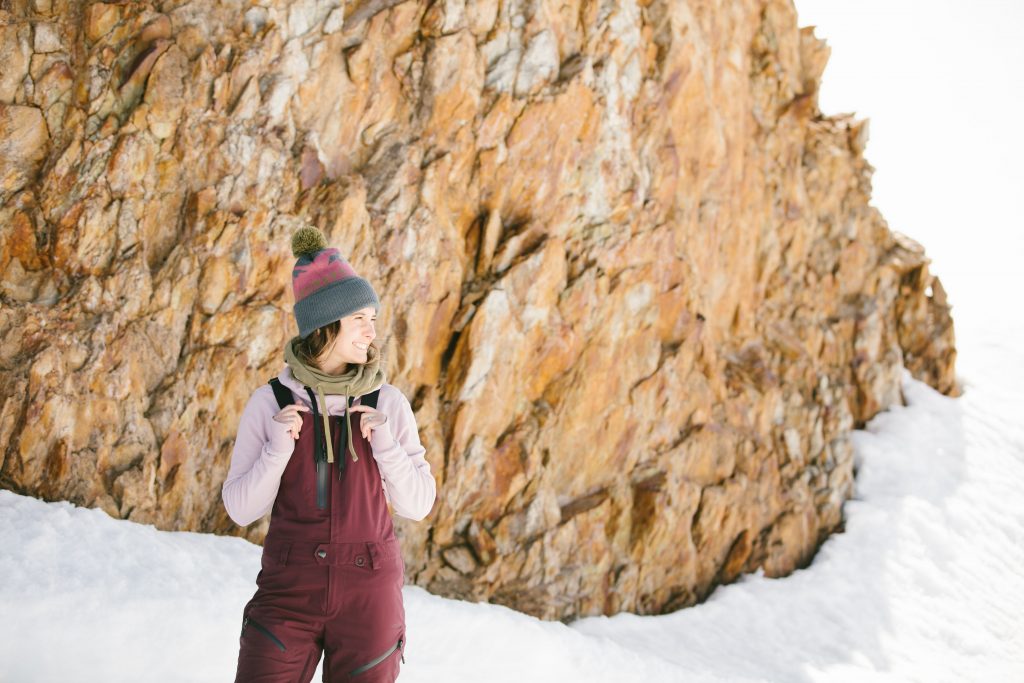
(289, 412)
(362, 409)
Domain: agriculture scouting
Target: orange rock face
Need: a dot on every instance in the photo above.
(631, 279)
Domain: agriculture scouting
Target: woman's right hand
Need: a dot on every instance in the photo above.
(286, 430)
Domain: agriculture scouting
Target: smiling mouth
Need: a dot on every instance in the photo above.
(361, 347)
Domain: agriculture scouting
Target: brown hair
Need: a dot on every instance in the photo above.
(309, 348)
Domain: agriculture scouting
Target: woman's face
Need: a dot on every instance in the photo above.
(351, 344)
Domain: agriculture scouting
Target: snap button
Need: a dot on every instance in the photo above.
(360, 561)
(321, 553)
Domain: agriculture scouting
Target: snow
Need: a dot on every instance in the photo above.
(926, 583)
(916, 587)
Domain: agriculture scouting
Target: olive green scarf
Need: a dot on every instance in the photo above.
(357, 380)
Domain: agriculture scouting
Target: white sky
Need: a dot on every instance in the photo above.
(942, 83)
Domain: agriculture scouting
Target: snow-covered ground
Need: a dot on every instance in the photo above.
(926, 583)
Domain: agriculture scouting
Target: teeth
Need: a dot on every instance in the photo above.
(361, 346)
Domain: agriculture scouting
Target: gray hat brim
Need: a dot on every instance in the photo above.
(334, 302)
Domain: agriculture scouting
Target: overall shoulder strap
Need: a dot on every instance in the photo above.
(370, 399)
(282, 393)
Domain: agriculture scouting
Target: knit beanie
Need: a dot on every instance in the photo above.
(326, 287)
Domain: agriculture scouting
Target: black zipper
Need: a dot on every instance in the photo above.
(366, 667)
(320, 453)
(264, 630)
(323, 473)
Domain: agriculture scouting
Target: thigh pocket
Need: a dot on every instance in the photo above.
(254, 629)
(395, 650)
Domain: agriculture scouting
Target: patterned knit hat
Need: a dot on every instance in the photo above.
(326, 287)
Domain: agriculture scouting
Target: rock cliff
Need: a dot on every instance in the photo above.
(632, 282)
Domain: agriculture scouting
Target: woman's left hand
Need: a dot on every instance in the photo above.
(370, 421)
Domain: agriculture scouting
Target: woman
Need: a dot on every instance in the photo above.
(324, 447)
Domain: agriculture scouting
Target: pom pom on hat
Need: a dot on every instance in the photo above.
(307, 241)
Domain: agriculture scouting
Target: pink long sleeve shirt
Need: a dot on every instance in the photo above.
(255, 473)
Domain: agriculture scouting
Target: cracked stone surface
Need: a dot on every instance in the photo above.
(631, 278)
